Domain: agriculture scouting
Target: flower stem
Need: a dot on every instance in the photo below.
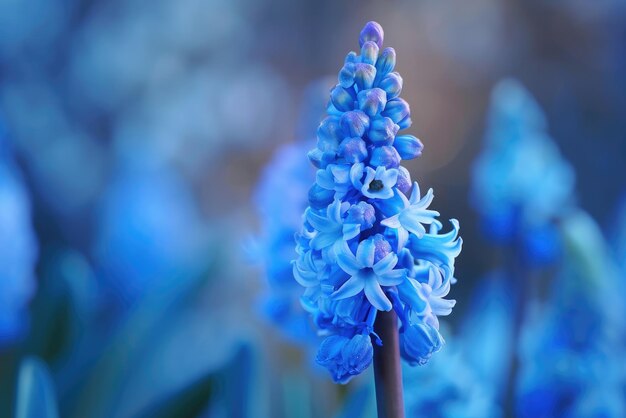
(387, 370)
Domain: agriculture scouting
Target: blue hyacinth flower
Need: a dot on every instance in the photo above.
(368, 271)
(521, 183)
(570, 349)
(150, 233)
(280, 198)
(369, 243)
(449, 387)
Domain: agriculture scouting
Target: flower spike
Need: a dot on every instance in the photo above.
(369, 242)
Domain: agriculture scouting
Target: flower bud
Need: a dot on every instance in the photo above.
(385, 156)
(408, 146)
(404, 180)
(364, 76)
(392, 84)
(343, 99)
(372, 32)
(345, 357)
(372, 101)
(363, 214)
(382, 247)
(329, 134)
(397, 109)
(386, 62)
(353, 150)
(354, 123)
(351, 57)
(405, 123)
(346, 75)
(369, 53)
(382, 131)
(418, 342)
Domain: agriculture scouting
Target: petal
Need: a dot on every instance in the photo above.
(425, 201)
(376, 296)
(388, 177)
(334, 211)
(304, 277)
(319, 222)
(370, 174)
(415, 193)
(410, 294)
(403, 237)
(351, 287)
(346, 260)
(323, 240)
(325, 179)
(356, 172)
(392, 278)
(341, 173)
(386, 264)
(350, 231)
(392, 222)
(365, 253)
(411, 224)
(441, 306)
(394, 205)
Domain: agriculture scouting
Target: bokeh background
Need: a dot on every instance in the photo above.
(137, 145)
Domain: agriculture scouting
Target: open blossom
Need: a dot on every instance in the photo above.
(369, 241)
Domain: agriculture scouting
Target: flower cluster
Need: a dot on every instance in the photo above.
(369, 242)
(521, 183)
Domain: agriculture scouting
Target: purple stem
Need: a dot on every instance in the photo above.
(387, 370)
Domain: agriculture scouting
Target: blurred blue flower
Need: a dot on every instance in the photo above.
(19, 248)
(448, 387)
(363, 246)
(149, 233)
(571, 351)
(280, 199)
(521, 184)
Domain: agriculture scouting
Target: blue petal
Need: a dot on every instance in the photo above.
(347, 261)
(351, 231)
(324, 239)
(386, 264)
(350, 288)
(325, 179)
(356, 172)
(372, 31)
(410, 294)
(411, 223)
(392, 278)
(365, 253)
(386, 61)
(375, 295)
(319, 222)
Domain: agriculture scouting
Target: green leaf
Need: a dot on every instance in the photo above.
(35, 391)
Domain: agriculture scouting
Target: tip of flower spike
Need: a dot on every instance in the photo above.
(372, 31)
